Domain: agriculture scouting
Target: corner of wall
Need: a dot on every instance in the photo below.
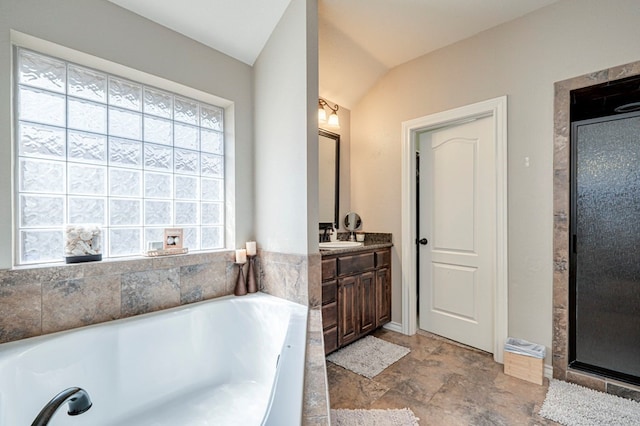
(291, 276)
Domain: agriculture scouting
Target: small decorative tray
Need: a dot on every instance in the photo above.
(166, 252)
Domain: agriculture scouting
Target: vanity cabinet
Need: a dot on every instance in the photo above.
(383, 287)
(329, 305)
(356, 295)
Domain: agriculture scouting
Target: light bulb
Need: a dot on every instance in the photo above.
(334, 121)
(322, 115)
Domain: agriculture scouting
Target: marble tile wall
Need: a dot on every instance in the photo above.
(299, 278)
(41, 300)
(291, 276)
(561, 151)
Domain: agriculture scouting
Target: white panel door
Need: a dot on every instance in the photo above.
(458, 217)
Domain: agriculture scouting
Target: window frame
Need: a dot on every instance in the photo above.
(148, 81)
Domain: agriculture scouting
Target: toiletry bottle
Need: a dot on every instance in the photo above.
(333, 235)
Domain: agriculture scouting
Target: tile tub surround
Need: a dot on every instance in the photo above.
(46, 299)
(316, 397)
(41, 300)
(298, 278)
(561, 152)
(294, 277)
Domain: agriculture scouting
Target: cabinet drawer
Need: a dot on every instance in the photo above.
(329, 291)
(383, 258)
(329, 315)
(328, 269)
(330, 340)
(356, 263)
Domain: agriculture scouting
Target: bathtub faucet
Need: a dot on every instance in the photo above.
(78, 399)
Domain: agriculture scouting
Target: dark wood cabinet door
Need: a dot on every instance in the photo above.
(330, 340)
(367, 302)
(356, 296)
(347, 310)
(328, 269)
(383, 296)
(329, 291)
(329, 315)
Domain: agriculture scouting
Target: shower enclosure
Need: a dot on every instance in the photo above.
(604, 246)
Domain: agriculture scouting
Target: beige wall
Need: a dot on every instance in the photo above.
(286, 147)
(521, 59)
(104, 30)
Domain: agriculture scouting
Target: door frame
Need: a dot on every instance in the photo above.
(497, 109)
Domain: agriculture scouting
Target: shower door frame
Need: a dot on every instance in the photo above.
(573, 284)
(560, 259)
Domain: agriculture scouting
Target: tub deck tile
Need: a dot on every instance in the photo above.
(21, 307)
(150, 291)
(75, 303)
(315, 402)
(203, 281)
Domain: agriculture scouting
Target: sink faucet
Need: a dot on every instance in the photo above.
(78, 399)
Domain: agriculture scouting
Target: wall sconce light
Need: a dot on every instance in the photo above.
(333, 120)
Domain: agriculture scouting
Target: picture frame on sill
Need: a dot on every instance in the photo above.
(173, 238)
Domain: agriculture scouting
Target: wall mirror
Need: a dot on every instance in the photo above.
(329, 178)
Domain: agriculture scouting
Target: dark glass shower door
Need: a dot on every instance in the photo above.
(605, 246)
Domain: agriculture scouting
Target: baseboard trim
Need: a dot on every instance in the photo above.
(548, 371)
(393, 326)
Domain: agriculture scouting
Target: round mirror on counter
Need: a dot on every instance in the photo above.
(352, 222)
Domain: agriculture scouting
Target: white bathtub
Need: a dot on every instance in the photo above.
(229, 361)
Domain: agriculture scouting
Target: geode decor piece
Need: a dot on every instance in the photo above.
(83, 243)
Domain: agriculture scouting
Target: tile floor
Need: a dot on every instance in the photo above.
(443, 383)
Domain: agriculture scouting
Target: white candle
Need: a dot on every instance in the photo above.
(251, 248)
(241, 256)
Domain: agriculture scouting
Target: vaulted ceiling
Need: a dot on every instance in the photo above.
(359, 40)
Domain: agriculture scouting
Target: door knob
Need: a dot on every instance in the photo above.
(423, 241)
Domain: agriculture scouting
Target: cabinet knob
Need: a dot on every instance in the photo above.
(423, 241)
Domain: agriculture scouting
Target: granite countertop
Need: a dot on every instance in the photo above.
(372, 241)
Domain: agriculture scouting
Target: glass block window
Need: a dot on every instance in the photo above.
(95, 148)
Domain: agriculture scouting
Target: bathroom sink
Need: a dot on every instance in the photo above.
(339, 244)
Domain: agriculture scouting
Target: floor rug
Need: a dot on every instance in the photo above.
(368, 356)
(403, 417)
(573, 405)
